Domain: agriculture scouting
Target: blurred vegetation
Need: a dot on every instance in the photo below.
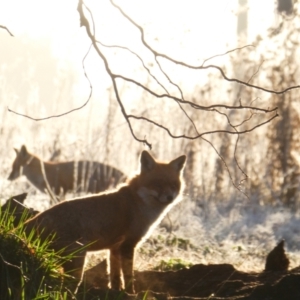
(173, 264)
(264, 164)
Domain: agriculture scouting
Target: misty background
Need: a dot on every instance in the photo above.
(43, 72)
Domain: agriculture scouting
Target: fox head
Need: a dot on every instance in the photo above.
(22, 158)
(160, 183)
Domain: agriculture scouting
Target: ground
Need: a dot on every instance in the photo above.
(213, 282)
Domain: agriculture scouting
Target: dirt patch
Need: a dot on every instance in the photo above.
(214, 282)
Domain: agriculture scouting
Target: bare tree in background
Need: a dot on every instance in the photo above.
(176, 94)
(283, 135)
(285, 6)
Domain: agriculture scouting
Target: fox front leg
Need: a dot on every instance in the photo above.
(115, 269)
(127, 256)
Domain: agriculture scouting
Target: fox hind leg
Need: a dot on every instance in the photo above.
(115, 269)
(127, 257)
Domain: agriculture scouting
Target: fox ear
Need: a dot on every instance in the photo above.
(178, 163)
(147, 161)
(23, 150)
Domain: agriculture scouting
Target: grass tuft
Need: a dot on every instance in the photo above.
(28, 268)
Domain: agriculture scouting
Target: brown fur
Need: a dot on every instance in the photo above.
(117, 221)
(15, 207)
(92, 177)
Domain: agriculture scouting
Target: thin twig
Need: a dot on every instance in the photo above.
(1, 26)
(201, 67)
(69, 111)
(203, 133)
(84, 22)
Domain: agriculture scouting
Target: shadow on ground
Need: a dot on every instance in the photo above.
(213, 282)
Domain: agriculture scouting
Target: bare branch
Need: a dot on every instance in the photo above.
(227, 52)
(1, 26)
(237, 186)
(192, 104)
(203, 133)
(157, 54)
(140, 59)
(69, 111)
(256, 72)
(84, 22)
(180, 101)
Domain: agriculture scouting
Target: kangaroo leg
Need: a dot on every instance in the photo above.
(127, 257)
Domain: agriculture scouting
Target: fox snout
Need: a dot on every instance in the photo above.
(165, 197)
(13, 175)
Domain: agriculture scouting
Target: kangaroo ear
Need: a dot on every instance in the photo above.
(147, 162)
(17, 151)
(178, 163)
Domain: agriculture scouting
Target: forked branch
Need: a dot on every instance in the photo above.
(87, 21)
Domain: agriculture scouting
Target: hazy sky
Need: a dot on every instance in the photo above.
(212, 23)
(189, 30)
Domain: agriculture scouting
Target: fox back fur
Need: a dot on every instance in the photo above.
(117, 221)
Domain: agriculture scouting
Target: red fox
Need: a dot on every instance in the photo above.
(92, 176)
(117, 221)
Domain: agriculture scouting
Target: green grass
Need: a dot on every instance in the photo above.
(28, 268)
(173, 264)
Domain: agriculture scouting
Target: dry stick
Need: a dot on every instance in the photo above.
(8, 263)
(48, 187)
(1, 26)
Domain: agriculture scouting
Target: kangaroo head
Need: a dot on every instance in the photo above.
(22, 158)
(160, 182)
